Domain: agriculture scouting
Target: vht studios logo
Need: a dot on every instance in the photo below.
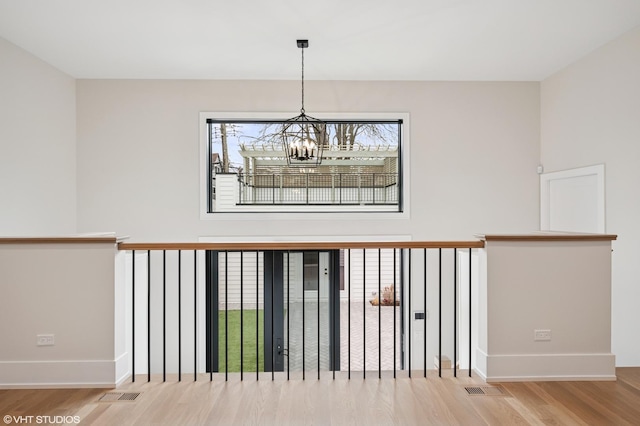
(41, 419)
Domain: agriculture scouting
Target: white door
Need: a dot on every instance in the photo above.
(306, 333)
(573, 200)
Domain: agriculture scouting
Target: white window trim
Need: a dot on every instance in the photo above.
(406, 183)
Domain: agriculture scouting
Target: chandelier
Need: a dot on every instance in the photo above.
(303, 137)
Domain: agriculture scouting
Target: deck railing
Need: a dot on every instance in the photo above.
(318, 188)
(293, 309)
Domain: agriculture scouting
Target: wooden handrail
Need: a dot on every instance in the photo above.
(298, 245)
(548, 236)
(301, 245)
(78, 239)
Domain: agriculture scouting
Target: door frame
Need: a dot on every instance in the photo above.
(211, 311)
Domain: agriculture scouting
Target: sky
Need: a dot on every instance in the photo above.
(247, 133)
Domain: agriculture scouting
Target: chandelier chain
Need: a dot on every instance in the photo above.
(302, 108)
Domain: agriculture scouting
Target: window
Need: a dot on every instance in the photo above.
(360, 168)
(310, 270)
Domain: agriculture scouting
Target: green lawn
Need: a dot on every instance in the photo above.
(249, 338)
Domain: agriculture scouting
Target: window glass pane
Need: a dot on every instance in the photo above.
(353, 164)
(310, 261)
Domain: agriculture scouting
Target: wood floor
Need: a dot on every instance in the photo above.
(371, 401)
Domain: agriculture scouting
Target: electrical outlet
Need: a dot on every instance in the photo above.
(541, 335)
(46, 339)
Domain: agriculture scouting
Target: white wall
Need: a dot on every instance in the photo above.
(74, 291)
(561, 286)
(37, 146)
(474, 147)
(590, 114)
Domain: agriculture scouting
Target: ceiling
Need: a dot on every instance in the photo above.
(484, 40)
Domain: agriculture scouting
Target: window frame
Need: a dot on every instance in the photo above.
(404, 156)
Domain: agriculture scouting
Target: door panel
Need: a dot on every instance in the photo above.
(307, 323)
(573, 200)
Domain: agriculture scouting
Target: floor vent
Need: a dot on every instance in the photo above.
(118, 396)
(484, 390)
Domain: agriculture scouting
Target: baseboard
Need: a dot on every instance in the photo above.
(62, 374)
(546, 367)
(499, 379)
(122, 370)
(480, 374)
